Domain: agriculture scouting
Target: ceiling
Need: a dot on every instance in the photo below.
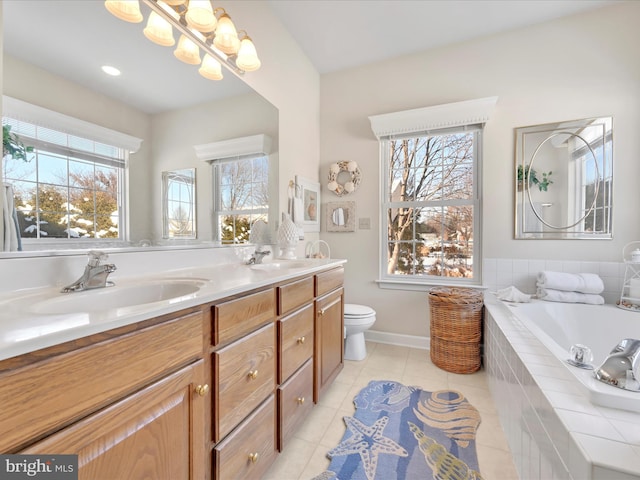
(340, 34)
(334, 34)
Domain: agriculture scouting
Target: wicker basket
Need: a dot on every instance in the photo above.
(456, 328)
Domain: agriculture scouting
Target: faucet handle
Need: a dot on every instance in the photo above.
(95, 257)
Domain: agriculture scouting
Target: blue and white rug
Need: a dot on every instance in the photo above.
(406, 433)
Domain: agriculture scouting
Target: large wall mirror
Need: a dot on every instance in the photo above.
(158, 99)
(564, 180)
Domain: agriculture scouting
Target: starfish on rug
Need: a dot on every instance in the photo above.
(368, 442)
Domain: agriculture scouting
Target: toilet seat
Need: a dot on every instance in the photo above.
(355, 315)
(353, 310)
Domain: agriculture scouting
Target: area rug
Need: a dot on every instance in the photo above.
(406, 433)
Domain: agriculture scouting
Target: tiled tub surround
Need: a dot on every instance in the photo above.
(554, 431)
(522, 273)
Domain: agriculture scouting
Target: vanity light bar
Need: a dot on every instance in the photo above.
(205, 43)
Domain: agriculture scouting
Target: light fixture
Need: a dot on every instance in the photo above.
(127, 10)
(109, 70)
(247, 57)
(210, 68)
(187, 51)
(201, 27)
(159, 31)
(226, 39)
(200, 16)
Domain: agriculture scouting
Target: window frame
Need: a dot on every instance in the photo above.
(445, 118)
(424, 281)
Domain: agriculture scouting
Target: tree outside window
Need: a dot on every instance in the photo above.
(430, 205)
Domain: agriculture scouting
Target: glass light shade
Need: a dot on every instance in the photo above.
(210, 68)
(200, 16)
(159, 31)
(187, 51)
(247, 56)
(175, 2)
(226, 39)
(127, 10)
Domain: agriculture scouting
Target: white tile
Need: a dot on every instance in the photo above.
(608, 454)
(504, 265)
(595, 426)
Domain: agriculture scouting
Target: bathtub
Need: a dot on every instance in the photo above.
(559, 421)
(600, 327)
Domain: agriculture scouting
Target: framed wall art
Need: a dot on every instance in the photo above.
(309, 194)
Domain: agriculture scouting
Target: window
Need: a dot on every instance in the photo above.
(70, 188)
(430, 211)
(244, 183)
(241, 189)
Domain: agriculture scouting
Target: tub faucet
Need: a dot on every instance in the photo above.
(94, 276)
(257, 256)
(622, 367)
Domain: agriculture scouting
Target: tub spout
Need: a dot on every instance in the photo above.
(622, 367)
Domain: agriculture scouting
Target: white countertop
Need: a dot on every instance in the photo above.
(23, 331)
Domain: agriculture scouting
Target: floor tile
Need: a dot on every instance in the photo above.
(325, 426)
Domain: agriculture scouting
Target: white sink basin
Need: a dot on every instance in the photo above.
(283, 265)
(109, 298)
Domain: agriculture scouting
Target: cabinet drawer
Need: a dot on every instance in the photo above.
(295, 401)
(329, 280)
(295, 341)
(294, 295)
(245, 373)
(251, 449)
(49, 394)
(238, 317)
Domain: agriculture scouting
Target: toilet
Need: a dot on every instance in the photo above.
(357, 319)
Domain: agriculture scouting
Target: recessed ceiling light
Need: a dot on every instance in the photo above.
(109, 70)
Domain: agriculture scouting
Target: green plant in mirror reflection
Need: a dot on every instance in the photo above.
(542, 183)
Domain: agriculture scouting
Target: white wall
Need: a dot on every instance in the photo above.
(578, 67)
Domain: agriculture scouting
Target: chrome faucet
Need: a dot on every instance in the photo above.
(622, 367)
(94, 276)
(257, 256)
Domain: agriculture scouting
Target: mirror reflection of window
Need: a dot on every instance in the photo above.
(241, 196)
(339, 217)
(179, 193)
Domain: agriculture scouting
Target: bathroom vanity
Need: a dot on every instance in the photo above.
(211, 390)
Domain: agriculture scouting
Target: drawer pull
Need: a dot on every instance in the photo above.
(321, 312)
(253, 374)
(254, 457)
(202, 389)
(301, 340)
(300, 400)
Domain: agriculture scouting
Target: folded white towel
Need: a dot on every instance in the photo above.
(512, 294)
(551, 295)
(571, 282)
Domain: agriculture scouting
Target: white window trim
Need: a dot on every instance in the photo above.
(431, 120)
(14, 108)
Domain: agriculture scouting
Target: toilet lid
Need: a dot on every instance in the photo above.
(354, 310)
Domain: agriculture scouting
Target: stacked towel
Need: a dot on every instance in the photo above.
(570, 287)
(571, 282)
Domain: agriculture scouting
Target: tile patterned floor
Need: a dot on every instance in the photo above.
(305, 456)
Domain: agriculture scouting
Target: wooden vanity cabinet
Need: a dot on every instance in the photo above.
(208, 393)
(329, 329)
(131, 402)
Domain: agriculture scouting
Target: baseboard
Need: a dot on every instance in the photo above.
(412, 341)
